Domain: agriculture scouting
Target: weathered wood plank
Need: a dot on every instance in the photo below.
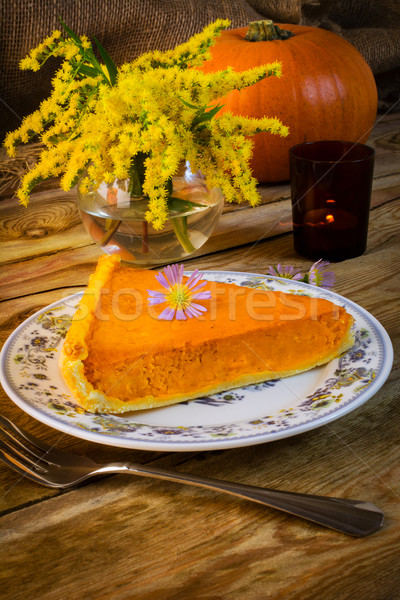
(60, 250)
(152, 539)
(125, 537)
(358, 279)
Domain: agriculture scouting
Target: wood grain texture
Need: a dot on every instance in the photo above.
(125, 537)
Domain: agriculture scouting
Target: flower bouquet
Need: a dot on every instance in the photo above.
(138, 123)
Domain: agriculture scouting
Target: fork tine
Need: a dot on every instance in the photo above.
(30, 461)
(29, 443)
(11, 431)
(15, 442)
(19, 463)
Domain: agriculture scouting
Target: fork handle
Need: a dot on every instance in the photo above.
(353, 517)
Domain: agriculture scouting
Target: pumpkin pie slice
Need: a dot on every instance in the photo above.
(119, 355)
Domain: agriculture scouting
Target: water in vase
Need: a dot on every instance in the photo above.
(116, 222)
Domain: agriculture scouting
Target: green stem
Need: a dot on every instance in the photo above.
(265, 31)
(180, 228)
(82, 113)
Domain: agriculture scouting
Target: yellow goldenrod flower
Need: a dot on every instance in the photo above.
(100, 121)
(85, 42)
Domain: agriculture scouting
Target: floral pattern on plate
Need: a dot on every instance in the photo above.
(249, 415)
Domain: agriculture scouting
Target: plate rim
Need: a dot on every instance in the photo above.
(205, 445)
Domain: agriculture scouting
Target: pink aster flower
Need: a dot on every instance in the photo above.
(288, 272)
(318, 276)
(180, 295)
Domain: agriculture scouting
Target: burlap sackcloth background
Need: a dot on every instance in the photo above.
(127, 28)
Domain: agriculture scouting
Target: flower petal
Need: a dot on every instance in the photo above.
(198, 307)
(156, 297)
(174, 273)
(202, 296)
(317, 276)
(320, 264)
(180, 271)
(161, 279)
(152, 301)
(169, 274)
(167, 314)
(198, 286)
(157, 293)
(328, 279)
(191, 312)
(180, 315)
(194, 278)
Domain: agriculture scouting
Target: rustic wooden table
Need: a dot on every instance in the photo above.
(127, 537)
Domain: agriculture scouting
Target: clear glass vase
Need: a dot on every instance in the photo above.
(116, 221)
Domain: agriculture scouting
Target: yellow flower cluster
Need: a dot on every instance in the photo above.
(39, 55)
(190, 54)
(159, 110)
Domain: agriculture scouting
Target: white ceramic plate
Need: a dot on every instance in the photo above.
(251, 415)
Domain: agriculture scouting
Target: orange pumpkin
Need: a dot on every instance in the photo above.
(327, 91)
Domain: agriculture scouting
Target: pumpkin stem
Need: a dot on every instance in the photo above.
(264, 31)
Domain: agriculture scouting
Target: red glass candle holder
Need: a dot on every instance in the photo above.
(331, 185)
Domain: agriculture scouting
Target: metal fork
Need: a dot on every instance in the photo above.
(56, 468)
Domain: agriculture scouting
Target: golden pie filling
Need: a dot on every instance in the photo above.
(119, 356)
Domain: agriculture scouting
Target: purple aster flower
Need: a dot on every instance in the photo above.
(288, 272)
(318, 276)
(180, 295)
